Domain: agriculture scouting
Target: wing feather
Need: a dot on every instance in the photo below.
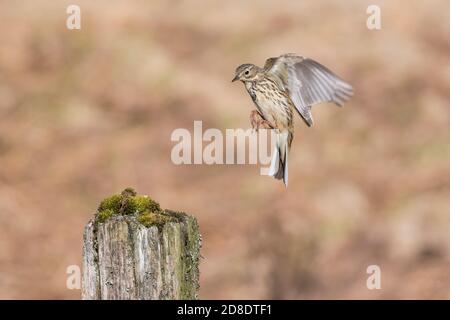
(308, 83)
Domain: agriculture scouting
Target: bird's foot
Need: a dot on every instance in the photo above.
(255, 118)
(266, 124)
(257, 121)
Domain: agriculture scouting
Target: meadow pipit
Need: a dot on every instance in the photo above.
(285, 84)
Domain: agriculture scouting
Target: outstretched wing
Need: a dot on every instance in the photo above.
(308, 83)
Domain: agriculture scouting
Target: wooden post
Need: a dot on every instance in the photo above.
(124, 258)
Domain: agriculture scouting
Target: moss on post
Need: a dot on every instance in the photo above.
(133, 249)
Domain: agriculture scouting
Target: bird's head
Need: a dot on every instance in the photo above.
(246, 72)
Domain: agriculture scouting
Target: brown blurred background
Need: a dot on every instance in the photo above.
(85, 113)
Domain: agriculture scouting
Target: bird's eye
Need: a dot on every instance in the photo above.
(247, 72)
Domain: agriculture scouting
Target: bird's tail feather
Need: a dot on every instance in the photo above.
(279, 164)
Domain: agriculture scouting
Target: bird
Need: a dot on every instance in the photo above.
(286, 85)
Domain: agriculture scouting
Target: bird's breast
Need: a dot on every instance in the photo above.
(271, 102)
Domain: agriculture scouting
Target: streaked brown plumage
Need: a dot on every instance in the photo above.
(287, 83)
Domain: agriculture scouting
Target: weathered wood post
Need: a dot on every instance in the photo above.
(135, 250)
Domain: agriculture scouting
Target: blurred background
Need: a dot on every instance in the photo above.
(86, 113)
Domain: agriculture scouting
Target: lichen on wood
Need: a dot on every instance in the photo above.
(133, 249)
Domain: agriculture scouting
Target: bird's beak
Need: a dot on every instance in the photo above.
(235, 78)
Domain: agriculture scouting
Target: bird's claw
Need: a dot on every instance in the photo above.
(266, 124)
(257, 121)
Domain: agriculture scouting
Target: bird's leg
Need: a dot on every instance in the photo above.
(267, 124)
(255, 119)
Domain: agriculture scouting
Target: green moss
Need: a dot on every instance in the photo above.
(104, 215)
(128, 192)
(111, 203)
(147, 211)
(144, 203)
(159, 217)
(126, 203)
(149, 219)
(128, 207)
(138, 205)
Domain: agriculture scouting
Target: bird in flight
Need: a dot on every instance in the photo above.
(285, 85)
